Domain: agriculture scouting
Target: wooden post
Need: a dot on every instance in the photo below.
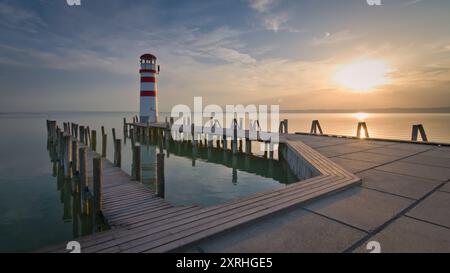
(137, 163)
(416, 129)
(362, 126)
(103, 130)
(104, 138)
(82, 135)
(94, 141)
(234, 144)
(68, 156)
(316, 126)
(286, 126)
(118, 152)
(87, 138)
(75, 160)
(125, 127)
(160, 175)
(114, 134)
(83, 170)
(97, 184)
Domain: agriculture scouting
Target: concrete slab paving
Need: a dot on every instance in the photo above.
(287, 232)
(412, 147)
(354, 166)
(437, 153)
(407, 186)
(371, 157)
(391, 151)
(407, 235)
(360, 207)
(412, 169)
(446, 187)
(435, 209)
(429, 160)
(336, 150)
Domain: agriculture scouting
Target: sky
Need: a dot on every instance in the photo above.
(297, 54)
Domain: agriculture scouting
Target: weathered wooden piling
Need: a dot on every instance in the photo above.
(67, 156)
(118, 152)
(160, 175)
(125, 127)
(75, 157)
(235, 137)
(94, 140)
(137, 163)
(104, 142)
(83, 175)
(416, 129)
(82, 135)
(362, 126)
(97, 184)
(88, 135)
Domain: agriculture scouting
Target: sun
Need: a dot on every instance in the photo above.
(363, 75)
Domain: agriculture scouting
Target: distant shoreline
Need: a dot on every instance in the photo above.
(443, 110)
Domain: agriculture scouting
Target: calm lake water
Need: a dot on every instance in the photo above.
(32, 211)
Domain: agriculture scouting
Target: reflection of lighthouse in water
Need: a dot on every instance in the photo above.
(148, 164)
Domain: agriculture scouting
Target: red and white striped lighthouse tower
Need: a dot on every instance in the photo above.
(149, 100)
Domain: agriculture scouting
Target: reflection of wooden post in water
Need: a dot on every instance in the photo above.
(416, 129)
(362, 126)
(67, 156)
(75, 163)
(94, 141)
(234, 166)
(137, 163)
(118, 152)
(194, 154)
(104, 139)
(234, 143)
(224, 139)
(265, 149)
(160, 175)
(83, 171)
(76, 209)
(97, 184)
(67, 200)
(271, 151)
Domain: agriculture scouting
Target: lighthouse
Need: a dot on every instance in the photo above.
(149, 101)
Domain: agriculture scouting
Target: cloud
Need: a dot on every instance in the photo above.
(412, 2)
(275, 22)
(19, 18)
(261, 5)
(333, 38)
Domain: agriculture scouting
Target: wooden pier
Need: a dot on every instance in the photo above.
(140, 221)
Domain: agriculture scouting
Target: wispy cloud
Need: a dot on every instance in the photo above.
(261, 5)
(19, 18)
(334, 38)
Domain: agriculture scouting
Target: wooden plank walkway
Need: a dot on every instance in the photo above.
(142, 222)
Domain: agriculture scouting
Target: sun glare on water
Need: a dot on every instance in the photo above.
(363, 75)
